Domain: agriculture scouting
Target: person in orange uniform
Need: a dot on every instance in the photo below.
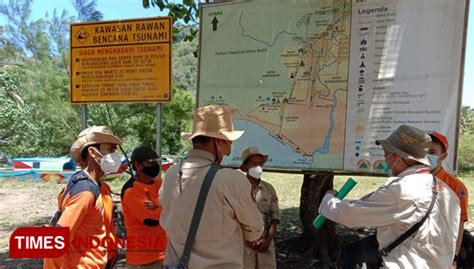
(437, 154)
(146, 239)
(85, 205)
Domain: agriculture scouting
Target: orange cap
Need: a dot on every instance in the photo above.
(441, 138)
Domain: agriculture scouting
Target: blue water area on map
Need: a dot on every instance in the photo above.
(327, 139)
(280, 155)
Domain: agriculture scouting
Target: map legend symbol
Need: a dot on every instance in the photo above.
(214, 24)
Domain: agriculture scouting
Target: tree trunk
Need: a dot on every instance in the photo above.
(320, 244)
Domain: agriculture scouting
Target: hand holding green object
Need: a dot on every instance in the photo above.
(346, 188)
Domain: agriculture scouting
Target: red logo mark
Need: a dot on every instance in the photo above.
(39, 242)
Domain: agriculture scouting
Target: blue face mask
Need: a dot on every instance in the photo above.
(386, 169)
(433, 159)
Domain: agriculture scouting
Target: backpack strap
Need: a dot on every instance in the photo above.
(206, 185)
(77, 177)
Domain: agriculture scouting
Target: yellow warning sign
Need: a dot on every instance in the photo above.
(126, 61)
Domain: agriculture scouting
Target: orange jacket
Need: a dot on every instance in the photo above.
(458, 187)
(87, 211)
(146, 239)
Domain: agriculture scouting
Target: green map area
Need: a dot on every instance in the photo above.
(283, 74)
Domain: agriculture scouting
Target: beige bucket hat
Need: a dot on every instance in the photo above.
(408, 142)
(252, 151)
(213, 121)
(91, 136)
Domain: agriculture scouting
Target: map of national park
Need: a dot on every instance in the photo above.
(285, 76)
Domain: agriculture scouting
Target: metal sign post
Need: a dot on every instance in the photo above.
(158, 131)
(84, 116)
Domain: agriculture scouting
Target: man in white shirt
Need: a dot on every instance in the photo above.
(230, 213)
(402, 202)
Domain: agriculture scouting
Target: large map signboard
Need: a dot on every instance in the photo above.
(121, 61)
(315, 84)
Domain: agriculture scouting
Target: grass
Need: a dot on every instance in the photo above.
(468, 180)
(117, 183)
(4, 224)
(15, 183)
(288, 188)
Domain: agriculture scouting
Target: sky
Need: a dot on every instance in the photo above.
(468, 87)
(129, 9)
(112, 9)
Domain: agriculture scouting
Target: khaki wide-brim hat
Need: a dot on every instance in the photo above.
(252, 151)
(92, 136)
(408, 142)
(213, 121)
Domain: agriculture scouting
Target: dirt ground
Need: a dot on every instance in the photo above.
(25, 206)
(24, 203)
(31, 204)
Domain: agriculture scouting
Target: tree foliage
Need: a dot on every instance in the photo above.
(184, 63)
(27, 35)
(37, 118)
(467, 120)
(58, 30)
(136, 123)
(87, 10)
(466, 153)
(187, 11)
(466, 141)
(16, 127)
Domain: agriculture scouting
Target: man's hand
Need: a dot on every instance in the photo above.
(255, 244)
(454, 265)
(150, 205)
(263, 245)
(251, 244)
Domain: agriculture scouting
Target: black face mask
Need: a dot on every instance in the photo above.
(151, 171)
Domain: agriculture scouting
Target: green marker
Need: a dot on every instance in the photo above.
(346, 188)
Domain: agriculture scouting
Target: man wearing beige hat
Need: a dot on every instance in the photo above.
(85, 205)
(229, 213)
(261, 254)
(412, 203)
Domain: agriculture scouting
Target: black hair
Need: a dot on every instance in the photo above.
(200, 139)
(86, 149)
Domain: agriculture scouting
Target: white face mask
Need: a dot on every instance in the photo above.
(222, 161)
(255, 172)
(222, 156)
(110, 163)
